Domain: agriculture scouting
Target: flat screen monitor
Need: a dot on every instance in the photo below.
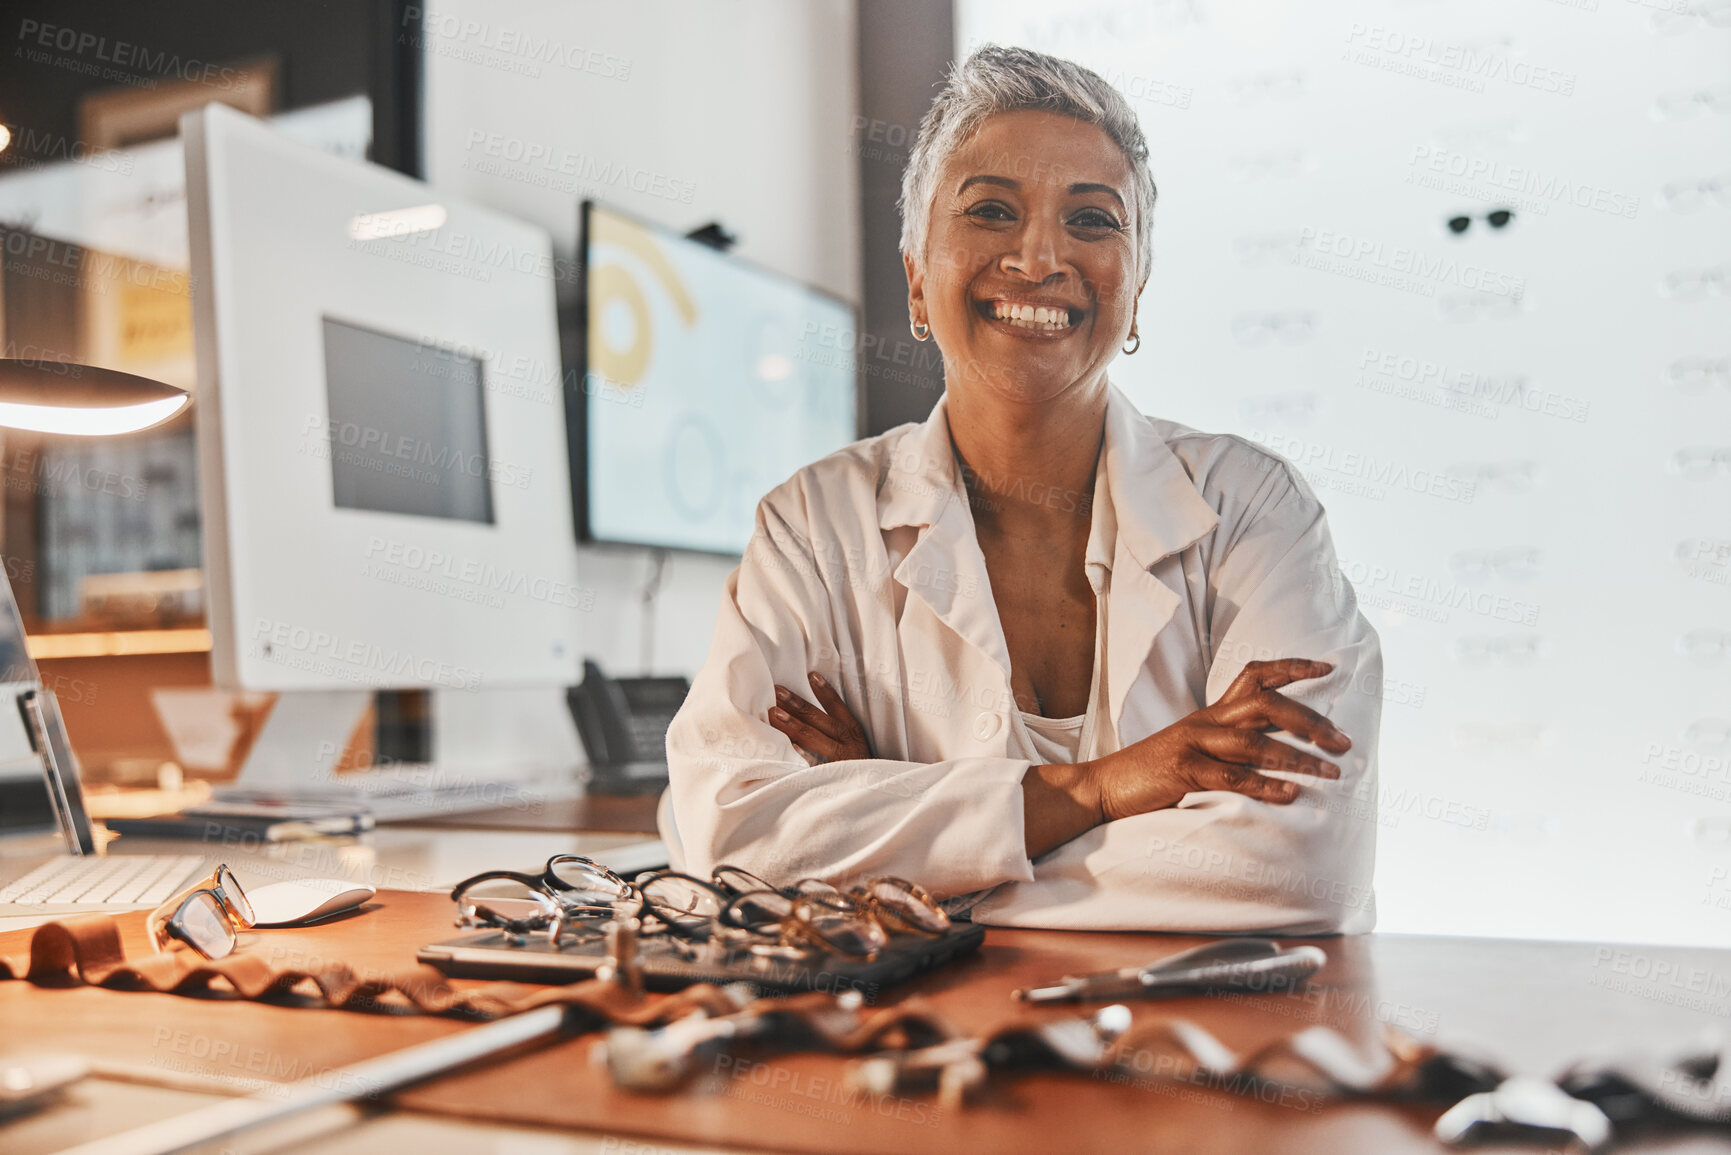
(381, 429)
(705, 382)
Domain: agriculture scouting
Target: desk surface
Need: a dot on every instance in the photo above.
(1533, 1006)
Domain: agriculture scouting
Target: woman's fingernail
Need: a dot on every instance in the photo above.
(778, 714)
(782, 693)
(1331, 769)
(816, 678)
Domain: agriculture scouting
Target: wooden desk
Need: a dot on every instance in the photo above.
(591, 813)
(1534, 1006)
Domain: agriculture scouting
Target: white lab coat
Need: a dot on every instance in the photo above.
(1206, 552)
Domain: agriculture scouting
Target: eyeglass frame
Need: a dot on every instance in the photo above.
(1489, 217)
(164, 925)
(549, 886)
(857, 902)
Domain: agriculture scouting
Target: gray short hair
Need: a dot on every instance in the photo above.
(996, 80)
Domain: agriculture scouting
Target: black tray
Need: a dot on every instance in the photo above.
(488, 955)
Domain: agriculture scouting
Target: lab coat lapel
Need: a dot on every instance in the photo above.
(944, 567)
(1157, 513)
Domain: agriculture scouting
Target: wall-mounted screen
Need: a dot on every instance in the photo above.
(705, 382)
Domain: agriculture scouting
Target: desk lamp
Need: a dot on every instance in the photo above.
(46, 396)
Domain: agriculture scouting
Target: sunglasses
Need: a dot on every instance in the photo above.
(1496, 218)
(208, 916)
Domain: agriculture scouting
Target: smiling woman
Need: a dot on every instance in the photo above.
(1072, 666)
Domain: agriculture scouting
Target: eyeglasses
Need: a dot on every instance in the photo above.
(1708, 733)
(1471, 304)
(208, 917)
(1481, 136)
(1496, 219)
(1253, 329)
(1699, 462)
(733, 910)
(1516, 564)
(1279, 248)
(1702, 14)
(1683, 104)
(1294, 408)
(1685, 196)
(1283, 85)
(1693, 284)
(569, 891)
(856, 923)
(1692, 373)
(1512, 649)
(1713, 831)
(1705, 645)
(1513, 476)
(1283, 164)
(1522, 739)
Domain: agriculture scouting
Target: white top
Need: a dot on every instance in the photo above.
(1206, 552)
(1055, 739)
(1072, 740)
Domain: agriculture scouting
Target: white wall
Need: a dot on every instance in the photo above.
(1554, 762)
(739, 111)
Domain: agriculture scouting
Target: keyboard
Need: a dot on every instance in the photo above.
(131, 880)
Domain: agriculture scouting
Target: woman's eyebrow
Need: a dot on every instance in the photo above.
(1103, 188)
(1013, 184)
(987, 178)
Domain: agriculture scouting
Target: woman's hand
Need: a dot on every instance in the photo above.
(828, 731)
(1219, 747)
(1224, 747)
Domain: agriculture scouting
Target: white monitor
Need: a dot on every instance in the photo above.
(380, 426)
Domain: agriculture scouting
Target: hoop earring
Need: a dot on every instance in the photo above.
(921, 332)
(1136, 338)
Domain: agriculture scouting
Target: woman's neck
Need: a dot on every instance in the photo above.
(1029, 469)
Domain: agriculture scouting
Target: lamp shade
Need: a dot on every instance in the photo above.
(47, 396)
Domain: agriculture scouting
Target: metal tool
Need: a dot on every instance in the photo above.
(1239, 964)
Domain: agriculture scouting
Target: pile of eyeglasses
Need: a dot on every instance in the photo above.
(573, 899)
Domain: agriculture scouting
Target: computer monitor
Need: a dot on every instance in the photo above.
(705, 382)
(380, 424)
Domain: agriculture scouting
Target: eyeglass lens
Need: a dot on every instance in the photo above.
(848, 933)
(1496, 218)
(585, 882)
(204, 926)
(680, 901)
(910, 908)
(234, 895)
(504, 902)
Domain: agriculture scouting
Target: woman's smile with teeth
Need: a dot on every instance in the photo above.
(1049, 319)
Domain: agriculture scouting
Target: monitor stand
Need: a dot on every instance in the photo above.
(492, 748)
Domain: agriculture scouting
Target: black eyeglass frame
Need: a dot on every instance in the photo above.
(1499, 218)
